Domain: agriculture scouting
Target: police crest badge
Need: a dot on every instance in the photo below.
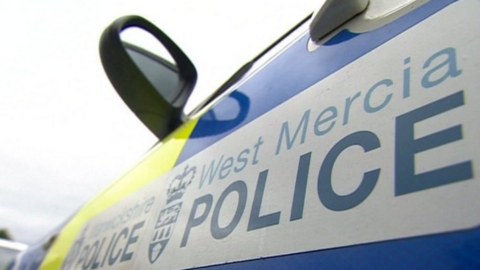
(168, 215)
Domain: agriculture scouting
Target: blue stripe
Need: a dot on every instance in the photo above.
(289, 74)
(458, 250)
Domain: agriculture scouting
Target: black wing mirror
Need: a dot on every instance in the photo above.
(154, 88)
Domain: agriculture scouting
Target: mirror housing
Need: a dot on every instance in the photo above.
(160, 114)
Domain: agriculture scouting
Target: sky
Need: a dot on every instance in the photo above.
(65, 134)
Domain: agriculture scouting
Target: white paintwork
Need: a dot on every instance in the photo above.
(382, 216)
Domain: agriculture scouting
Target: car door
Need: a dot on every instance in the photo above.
(355, 151)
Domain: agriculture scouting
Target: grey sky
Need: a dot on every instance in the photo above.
(65, 133)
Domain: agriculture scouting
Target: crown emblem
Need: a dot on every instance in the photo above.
(180, 183)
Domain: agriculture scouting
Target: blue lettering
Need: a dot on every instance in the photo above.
(131, 239)
(196, 221)
(108, 249)
(113, 258)
(242, 159)
(406, 181)
(211, 171)
(368, 141)
(406, 78)
(225, 169)
(96, 264)
(319, 121)
(83, 255)
(218, 232)
(366, 102)
(285, 131)
(148, 205)
(257, 146)
(256, 221)
(451, 68)
(88, 262)
(348, 104)
(300, 187)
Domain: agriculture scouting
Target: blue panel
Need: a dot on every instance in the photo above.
(292, 72)
(458, 250)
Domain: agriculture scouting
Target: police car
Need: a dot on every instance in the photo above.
(8, 250)
(350, 143)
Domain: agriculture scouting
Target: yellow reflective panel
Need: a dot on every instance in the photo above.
(158, 161)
